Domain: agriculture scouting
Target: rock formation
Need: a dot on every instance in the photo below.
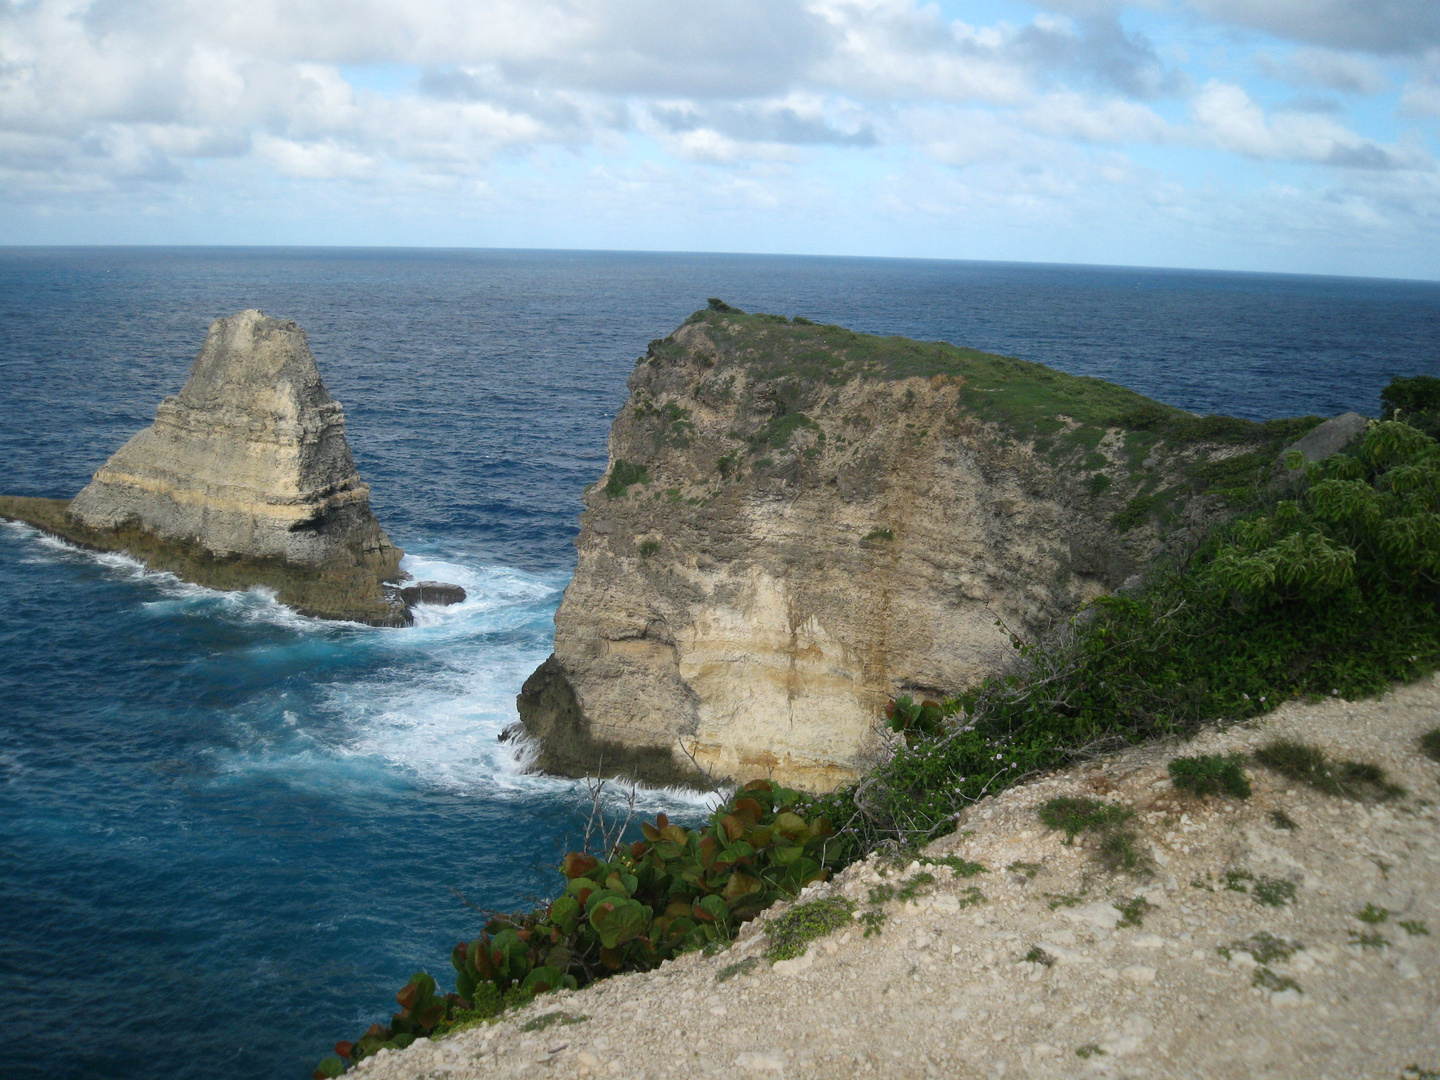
(798, 522)
(244, 478)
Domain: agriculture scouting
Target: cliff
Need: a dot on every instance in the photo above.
(244, 479)
(798, 522)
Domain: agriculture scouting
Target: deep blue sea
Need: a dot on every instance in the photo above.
(229, 834)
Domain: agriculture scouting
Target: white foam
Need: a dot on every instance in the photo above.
(430, 711)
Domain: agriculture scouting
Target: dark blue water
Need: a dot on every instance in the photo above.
(228, 834)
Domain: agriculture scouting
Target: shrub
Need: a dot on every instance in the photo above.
(1415, 400)
(631, 908)
(622, 475)
(1075, 815)
(1211, 774)
(790, 935)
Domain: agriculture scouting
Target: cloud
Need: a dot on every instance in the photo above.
(1376, 26)
(1231, 120)
(792, 108)
(1326, 70)
(790, 123)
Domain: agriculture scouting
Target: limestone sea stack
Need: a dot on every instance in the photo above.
(245, 478)
(798, 522)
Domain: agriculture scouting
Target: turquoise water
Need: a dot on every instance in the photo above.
(228, 834)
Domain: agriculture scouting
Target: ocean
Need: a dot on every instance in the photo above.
(228, 834)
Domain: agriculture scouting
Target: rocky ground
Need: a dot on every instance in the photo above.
(1238, 954)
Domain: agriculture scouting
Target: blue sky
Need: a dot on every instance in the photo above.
(1289, 135)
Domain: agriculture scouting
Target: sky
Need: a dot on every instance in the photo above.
(1277, 135)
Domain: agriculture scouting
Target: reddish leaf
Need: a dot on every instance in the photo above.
(578, 865)
(345, 1049)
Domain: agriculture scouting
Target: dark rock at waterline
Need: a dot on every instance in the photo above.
(440, 593)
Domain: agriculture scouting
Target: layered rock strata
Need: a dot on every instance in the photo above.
(798, 522)
(245, 478)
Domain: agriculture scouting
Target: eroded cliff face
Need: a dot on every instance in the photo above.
(249, 458)
(798, 523)
(245, 478)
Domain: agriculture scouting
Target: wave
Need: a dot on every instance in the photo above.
(340, 703)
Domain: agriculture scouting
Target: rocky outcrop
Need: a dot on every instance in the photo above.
(245, 478)
(798, 522)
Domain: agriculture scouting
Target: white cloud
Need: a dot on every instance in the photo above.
(1233, 121)
(790, 108)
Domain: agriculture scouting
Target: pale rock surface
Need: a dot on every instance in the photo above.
(803, 549)
(250, 459)
(945, 989)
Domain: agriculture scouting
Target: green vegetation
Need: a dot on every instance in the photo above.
(1415, 400)
(1282, 820)
(966, 868)
(914, 719)
(794, 362)
(1265, 947)
(1211, 774)
(1372, 940)
(649, 548)
(673, 890)
(548, 1020)
(1116, 848)
(1414, 927)
(1088, 1051)
(1037, 955)
(622, 475)
(1271, 892)
(1268, 980)
(740, 967)
(1076, 815)
(1308, 764)
(878, 536)
(1371, 914)
(1134, 910)
(790, 934)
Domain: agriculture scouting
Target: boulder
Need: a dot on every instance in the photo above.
(432, 592)
(1330, 437)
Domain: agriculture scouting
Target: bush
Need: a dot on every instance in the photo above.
(674, 890)
(1211, 774)
(1415, 400)
(1076, 815)
(622, 475)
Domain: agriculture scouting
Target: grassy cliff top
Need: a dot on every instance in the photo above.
(1028, 399)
